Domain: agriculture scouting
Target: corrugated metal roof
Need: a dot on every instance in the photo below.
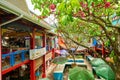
(21, 4)
(13, 7)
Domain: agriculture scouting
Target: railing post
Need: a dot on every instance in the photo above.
(53, 53)
(44, 61)
(103, 50)
(32, 62)
(0, 53)
(12, 58)
(23, 55)
(95, 50)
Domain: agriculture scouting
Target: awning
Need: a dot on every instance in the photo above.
(61, 43)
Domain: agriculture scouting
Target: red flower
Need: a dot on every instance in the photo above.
(82, 14)
(52, 6)
(107, 4)
(83, 5)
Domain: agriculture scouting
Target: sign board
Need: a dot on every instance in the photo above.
(38, 62)
(48, 56)
(36, 53)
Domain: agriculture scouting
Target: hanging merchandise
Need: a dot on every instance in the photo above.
(22, 70)
(37, 74)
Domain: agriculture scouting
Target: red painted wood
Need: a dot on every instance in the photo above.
(102, 49)
(32, 62)
(0, 53)
(95, 48)
(44, 40)
(44, 68)
(32, 42)
(53, 53)
(99, 49)
(32, 70)
(14, 67)
(44, 62)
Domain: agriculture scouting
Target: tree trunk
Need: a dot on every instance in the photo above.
(117, 70)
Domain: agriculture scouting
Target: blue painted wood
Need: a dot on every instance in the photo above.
(12, 59)
(23, 55)
(5, 55)
(13, 54)
(79, 61)
(94, 43)
(58, 76)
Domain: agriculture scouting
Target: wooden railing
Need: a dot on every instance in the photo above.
(13, 58)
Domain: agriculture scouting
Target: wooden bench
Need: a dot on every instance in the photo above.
(58, 72)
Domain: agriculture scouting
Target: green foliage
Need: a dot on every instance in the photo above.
(107, 43)
(83, 19)
(112, 55)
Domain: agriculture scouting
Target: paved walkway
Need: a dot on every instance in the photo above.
(52, 67)
(50, 70)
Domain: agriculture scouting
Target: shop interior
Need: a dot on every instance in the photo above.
(16, 37)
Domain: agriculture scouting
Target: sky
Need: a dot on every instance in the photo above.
(31, 8)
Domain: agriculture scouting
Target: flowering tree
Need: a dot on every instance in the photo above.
(83, 19)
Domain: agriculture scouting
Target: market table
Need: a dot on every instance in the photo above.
(78, 62)
(58, 72)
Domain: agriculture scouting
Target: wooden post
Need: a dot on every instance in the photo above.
(32, 62)
(0, 53)
(103, 50)
(53, 50)
(53, 53)
(95, 50)
(44, 40)
(44, 61)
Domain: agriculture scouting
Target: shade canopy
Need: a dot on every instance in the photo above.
(97, 62)
(61, 43)
(106, 72)
(78, 73)
(57, 51)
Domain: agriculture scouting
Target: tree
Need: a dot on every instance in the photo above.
(91, 18)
